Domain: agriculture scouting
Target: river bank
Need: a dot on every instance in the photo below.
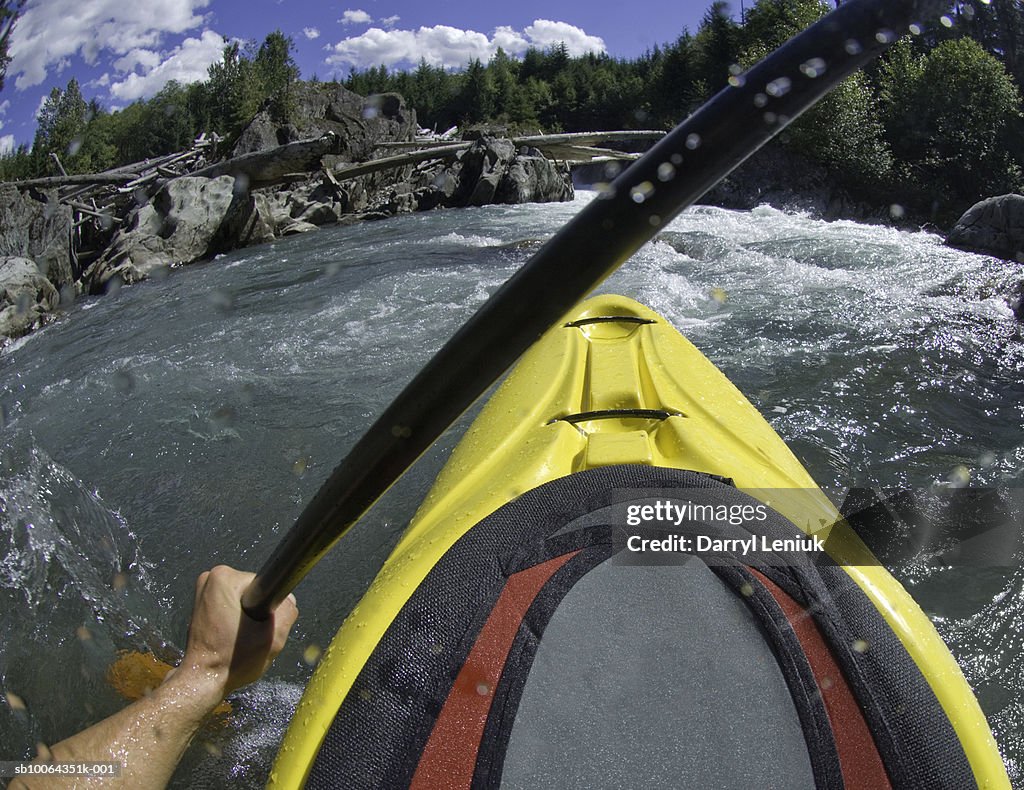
(54, 249)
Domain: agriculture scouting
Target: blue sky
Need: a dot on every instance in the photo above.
(124, 50)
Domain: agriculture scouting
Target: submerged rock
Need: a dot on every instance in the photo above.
(994, 226)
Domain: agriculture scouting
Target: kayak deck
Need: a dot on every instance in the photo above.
(614, 385)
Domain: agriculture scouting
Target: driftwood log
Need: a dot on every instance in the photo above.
(265, 168)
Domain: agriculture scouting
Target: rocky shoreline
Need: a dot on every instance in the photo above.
(183, 219)
(175, 220)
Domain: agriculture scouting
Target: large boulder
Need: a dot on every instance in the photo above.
(493, 171)
(190, 219)
(481, 170)
(34, 225)
(318, 108)
(994, 226)
(26, 296)
(533, 178)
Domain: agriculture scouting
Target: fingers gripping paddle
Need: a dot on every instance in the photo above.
(684, 165)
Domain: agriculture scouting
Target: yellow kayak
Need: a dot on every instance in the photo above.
(623, 577)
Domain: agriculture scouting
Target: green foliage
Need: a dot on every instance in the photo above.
(716, 49)
(770, 23)
(844, 131)
(938, 118)
(947, 115)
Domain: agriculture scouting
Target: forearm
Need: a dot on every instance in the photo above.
(147, 738)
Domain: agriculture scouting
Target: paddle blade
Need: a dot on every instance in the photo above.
(133, 675)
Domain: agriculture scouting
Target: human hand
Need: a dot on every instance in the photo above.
(226, 648)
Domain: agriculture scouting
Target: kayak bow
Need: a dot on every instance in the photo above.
(418, 689)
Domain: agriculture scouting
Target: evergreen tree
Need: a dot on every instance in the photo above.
(716, 48)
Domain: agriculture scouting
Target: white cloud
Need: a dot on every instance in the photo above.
(451, 47)
(146, 58)
(7, 145)
(544, 33)
(42, 103)
(50, 31)
(355, 16)
(390, 21)
(186, 63)
(311, 33)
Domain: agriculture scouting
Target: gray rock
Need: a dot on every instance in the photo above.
(493, 171)
(481, 169)
(318, 108)
(190, 219)
(994, 226)
(533, 178)
(34, 225)
(26, 296)
(297, 226)
(259, 135)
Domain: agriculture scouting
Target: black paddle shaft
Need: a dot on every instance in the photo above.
(684, 165)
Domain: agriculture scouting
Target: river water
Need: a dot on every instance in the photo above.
(185, 421)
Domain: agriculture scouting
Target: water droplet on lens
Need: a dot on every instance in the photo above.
(896, 211)
(483, 689)
(224, 417)
(885, 36)
(746, 590)
(612, 170)
(960, 476)
(655, 220)
(946, 20)
(779, 87)
(987, 459)
(300, 466)
(861, 645)
(83, 633)
(853, 47)
(119, 582)
(676, 159)
(915, 29)
(67, 295)
(693, 141)
(24, 303)
(15, 702)
(814, 67)
(719, 295)
(311, 655)
(241, 185)
(221, 301)
(760, 100)
(666, 171)
(641, 192)
(123, 381)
